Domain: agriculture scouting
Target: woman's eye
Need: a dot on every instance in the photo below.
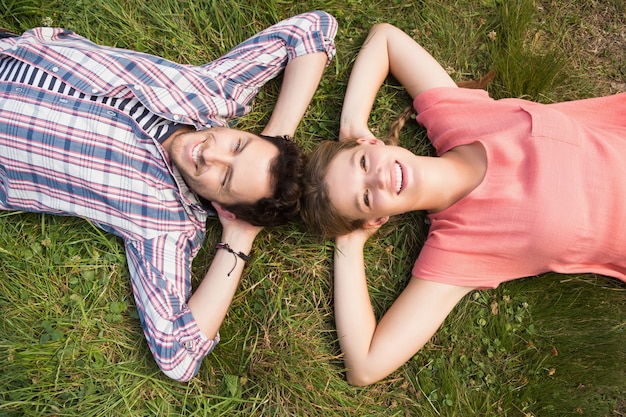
(363, 162)
(238, 146)
(366, 198)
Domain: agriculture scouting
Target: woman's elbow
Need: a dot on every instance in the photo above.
(361, 378)
(384, 28)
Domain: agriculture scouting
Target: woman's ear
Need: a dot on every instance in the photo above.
(366, 141)
(222, 212)
(375, 223)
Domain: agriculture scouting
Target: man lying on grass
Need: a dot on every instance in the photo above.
(140, 146)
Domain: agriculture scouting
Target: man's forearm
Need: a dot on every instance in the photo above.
(302, 76)
(210, 303)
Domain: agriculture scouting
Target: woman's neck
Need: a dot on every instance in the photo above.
(459, 171)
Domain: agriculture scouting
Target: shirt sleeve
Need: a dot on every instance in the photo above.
(252, 63)
(449, 115)
(161, 280)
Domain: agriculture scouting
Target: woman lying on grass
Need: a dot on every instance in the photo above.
(518, 189)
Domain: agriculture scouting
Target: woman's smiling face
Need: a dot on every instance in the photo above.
(371, 180)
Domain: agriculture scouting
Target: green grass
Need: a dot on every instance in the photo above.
(71, 342)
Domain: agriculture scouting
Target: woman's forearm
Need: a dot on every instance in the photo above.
(387, 50)
(354, 315)
(370, 70)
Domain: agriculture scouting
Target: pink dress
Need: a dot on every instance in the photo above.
(553, 197)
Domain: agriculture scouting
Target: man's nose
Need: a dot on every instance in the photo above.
(216, 158)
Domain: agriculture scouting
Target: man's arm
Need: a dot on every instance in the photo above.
(180, 331)
(302, 76)
(209, 304)
(301, 45)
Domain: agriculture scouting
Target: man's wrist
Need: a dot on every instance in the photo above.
(237, 255)
(223, 245)
(240, 240)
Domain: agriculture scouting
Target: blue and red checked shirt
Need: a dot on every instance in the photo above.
(66, 150)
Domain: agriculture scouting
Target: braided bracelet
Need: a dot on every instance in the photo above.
(235, 253)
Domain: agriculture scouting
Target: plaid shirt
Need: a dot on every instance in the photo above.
(71, 154)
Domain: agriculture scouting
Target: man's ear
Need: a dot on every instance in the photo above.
(223, 212)
(375, 223)
(365, 141)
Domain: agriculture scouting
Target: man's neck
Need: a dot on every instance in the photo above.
(180, 129)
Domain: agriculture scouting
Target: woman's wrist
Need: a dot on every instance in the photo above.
(350, 127)
(345, 133)
(350, 242)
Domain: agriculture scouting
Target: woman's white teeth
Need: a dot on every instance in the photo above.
(398, 178)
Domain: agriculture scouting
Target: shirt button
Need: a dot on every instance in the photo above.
(137, 87)
(94, 90)
(55, 69)
(189, 345)
(176, 117)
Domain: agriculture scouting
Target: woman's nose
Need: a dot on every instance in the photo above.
(376, 179)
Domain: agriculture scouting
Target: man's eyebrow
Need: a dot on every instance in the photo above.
(229, 178)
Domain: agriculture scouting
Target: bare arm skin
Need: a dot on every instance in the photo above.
(210, 303)
(387, 50)
(374, 350)
(301, 78)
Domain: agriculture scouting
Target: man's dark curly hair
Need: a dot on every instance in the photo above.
(286, 171)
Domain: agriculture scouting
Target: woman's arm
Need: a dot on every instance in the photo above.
(372, 351)
(386, 50)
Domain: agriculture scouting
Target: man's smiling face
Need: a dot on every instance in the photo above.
(224, 165)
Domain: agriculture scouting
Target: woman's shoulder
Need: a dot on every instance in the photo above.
(449, 96)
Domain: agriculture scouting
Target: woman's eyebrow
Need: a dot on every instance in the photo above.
(354, 162)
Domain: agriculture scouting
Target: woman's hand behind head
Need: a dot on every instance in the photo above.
(362, 234)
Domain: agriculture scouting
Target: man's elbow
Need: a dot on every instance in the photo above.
(183, 372)
(178, 377)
